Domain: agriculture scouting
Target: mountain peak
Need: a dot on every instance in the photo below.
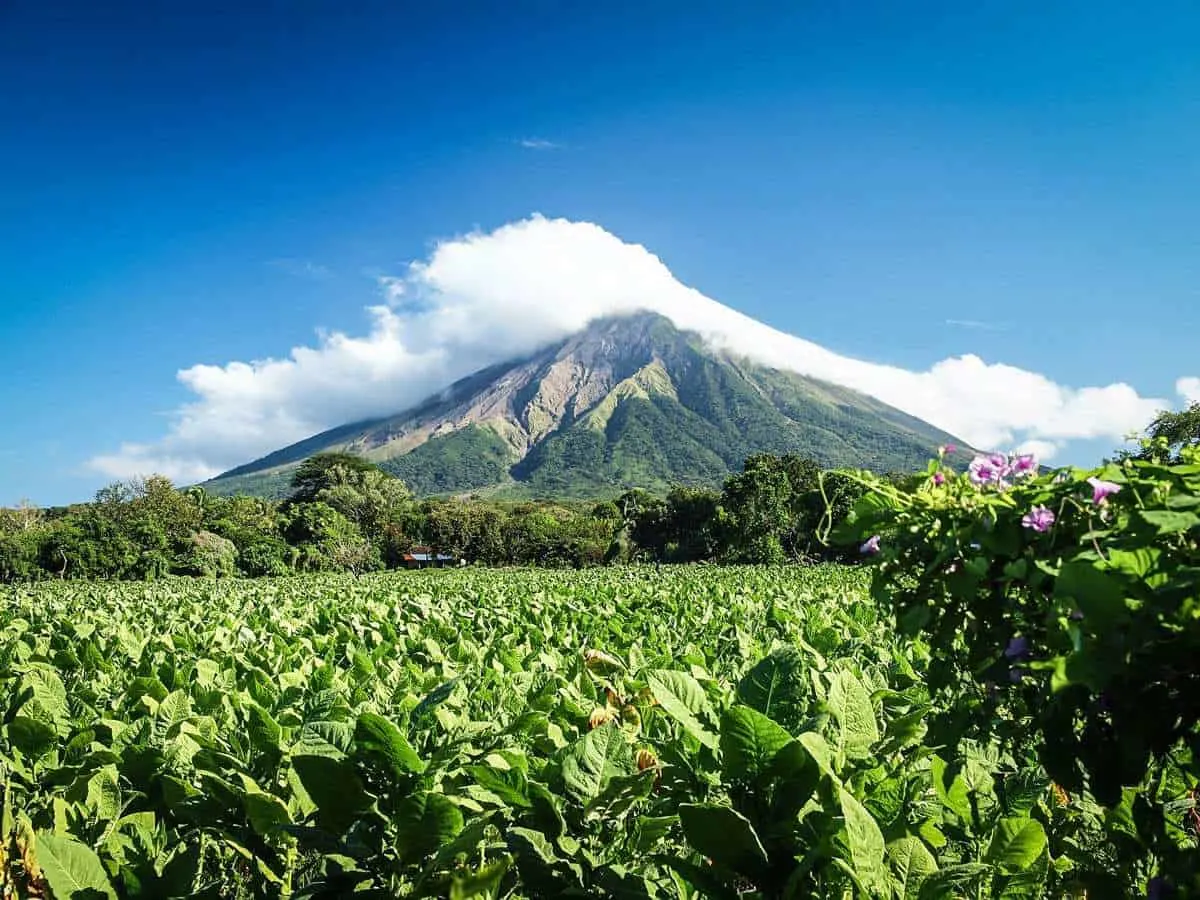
(628, 401)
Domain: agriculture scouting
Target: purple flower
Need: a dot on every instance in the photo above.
(1016, 675)
(981, 471)
(1024, 466)
(948, 448)
(1018, 648)
(1040, 518)
(939, 479)
(993, 469)
(1102, 490)
(871, 545)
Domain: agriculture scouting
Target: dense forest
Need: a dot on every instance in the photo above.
(346, 514)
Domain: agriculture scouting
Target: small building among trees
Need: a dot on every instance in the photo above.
(426, 558)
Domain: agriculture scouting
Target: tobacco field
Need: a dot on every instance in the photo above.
(629, 732)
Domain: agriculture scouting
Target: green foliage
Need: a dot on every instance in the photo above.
(623, 732)
(1170, 432)
(467, 459)
(325, 470)
(1082, 641)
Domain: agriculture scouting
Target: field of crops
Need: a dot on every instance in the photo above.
(625, 732)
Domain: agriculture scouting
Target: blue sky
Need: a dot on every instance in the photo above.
(182, 188)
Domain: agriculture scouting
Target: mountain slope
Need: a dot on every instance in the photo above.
(628, 401)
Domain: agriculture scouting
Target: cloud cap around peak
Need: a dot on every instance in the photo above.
(486, 297)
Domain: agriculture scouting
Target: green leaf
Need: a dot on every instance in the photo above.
(334, 787)
(865, 842)
(434, 699)
(72, 869)
(481, 884)
(1016, 844)
(265, 733)
(821, 754)
(725, 836)
(950, 789)
(775, 686)
(1166, 521)
(509, 785)
(912, 864)
(749, 743)
(425, 822)
(682, 697)
(1098, 595)
(380, 741)
(951, 883)
(850, 704)
(620, 794)
(1028, 884)
(593, 761)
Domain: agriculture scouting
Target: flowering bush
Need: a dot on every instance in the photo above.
(1064, 612)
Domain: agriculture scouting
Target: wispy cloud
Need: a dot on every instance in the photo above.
(977, 325)
(1189, 389)
(301, 268)
(486, 297)
(540, 144)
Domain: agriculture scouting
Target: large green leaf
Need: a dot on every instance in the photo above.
(265, 733)
(593, 761)
(865, 842)
(1167, 521)
(749, 743)
(1098, 594)
(685, 701)
(912, 864)
(850, 704)
(335, 789)
(424, 823)
(1016, 845)
(73, 870)
(725, 836)
(380, 741)
(776, 687)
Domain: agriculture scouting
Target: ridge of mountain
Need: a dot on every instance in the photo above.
(629, 401)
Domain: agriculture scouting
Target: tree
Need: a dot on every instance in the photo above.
(370, 498)
(327, 540)
(210, 555)
(1168, 433)
(316, 473)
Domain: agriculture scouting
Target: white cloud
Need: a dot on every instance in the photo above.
(1189, 389)
(484, 298)
(976, 324)
(539, 144)
(1043, 451)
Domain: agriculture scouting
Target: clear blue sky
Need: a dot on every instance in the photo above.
(853, 173)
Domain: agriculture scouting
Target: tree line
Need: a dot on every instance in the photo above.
(346, 514)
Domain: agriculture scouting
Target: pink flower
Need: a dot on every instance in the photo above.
(938, 478)
(992, 469)
(1024, 466)
(1102, 490)
(1040, 518)
(871, 545)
